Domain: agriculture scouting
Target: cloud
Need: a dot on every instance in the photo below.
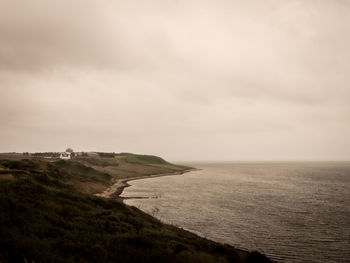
(159, 76)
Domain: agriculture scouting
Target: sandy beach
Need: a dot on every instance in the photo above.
(114, 191)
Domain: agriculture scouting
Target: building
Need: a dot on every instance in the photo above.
(65, 155)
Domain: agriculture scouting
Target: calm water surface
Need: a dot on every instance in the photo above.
(292, 212)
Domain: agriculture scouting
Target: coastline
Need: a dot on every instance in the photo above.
(116, 189)
(119, 231)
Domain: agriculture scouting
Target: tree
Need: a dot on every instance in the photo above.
(69, 150)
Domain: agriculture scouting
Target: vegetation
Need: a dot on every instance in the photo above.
(47, 216)
(149, 160)
(106, 155)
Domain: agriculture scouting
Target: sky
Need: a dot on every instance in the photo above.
(188, 80)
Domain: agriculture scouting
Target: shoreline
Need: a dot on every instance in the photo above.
(116, 189)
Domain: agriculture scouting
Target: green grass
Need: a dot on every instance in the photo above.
(144, 159)
(81, 172)
(102, 162)
(150, 160)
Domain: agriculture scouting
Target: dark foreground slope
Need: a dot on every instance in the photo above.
(45, 218)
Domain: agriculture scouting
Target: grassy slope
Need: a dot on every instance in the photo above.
(47, 216)
(94, 174)
(150, 160)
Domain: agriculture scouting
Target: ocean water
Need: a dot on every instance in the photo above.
(292, 212)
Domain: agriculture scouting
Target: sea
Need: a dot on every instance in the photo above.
(291, 212)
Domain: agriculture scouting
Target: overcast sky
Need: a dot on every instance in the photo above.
(183, 79)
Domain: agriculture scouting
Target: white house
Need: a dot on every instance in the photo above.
(65, 155)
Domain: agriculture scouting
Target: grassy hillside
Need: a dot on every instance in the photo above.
(93, 174)
(149, 160)
(47, 214)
